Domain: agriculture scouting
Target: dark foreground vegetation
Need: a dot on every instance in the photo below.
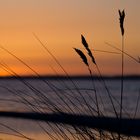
(95, 125)
(129, 127)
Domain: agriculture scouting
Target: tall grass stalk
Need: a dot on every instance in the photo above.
(108, 91)
(122, 78)
(86, 46)
(53, 87)
(38, 93)
(30, 86)
(85, 131)
(10, 134)
(84, 42)
(17, 132)
(121, 18)
(34, 108)
(67, 75)
(70, 92)
(31, 106)
(84, 58)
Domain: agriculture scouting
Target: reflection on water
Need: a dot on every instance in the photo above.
(15, 95)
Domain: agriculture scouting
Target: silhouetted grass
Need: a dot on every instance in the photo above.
(69, 120)
(82, 55)
(113, 46)
(130, 127)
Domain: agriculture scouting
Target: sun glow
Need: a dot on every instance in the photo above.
(59, 26)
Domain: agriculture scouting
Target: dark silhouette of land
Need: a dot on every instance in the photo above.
(129, 127)
(131, 77)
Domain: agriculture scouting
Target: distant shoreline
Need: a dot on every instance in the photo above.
(52, 77)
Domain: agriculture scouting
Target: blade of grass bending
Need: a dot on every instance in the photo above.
(68, 130)
(61, 130)
(14, 74)
(22, 135)
(96, 97)
(70, 92)
(95, 50)
(10, 134)
(83, 57)
(67, 75)
(93, 60)
(26, 102)
(48, 133)
(49, 84)
(109, 94)
(137, 60)
(31, 106)
(46, 82)
(25, 65)
(84, 42)
(7, 69)
(34, 109)
(34, 90)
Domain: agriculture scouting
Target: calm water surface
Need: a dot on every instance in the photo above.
(37, 95)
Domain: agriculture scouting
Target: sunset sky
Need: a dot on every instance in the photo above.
(59, 25)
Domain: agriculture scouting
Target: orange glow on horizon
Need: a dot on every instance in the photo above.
(59, 26)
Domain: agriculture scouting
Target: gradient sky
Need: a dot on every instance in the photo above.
(59, 24)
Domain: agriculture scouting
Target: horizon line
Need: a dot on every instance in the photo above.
(128, 76)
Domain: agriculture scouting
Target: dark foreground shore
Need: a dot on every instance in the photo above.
(129, 127)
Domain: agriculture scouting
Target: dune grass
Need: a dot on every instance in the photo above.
(72, 116)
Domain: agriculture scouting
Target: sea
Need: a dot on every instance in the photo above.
(80, 96)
